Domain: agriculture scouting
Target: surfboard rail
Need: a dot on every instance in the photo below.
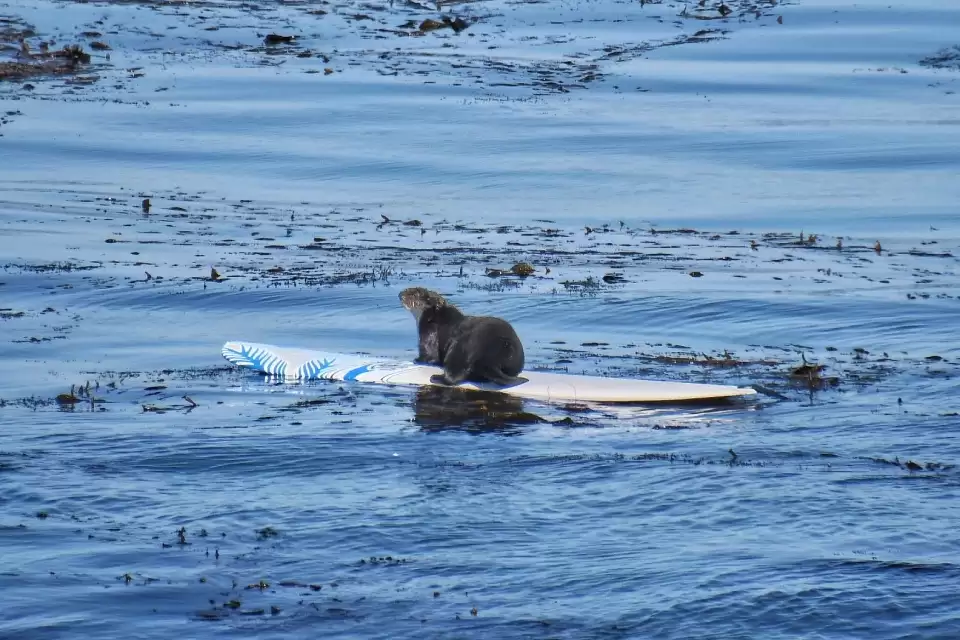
(294, 364)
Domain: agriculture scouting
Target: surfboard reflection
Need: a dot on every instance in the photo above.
(439, 408)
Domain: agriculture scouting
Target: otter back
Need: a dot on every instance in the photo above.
(482, 349)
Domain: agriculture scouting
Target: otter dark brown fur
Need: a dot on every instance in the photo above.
(469, 348)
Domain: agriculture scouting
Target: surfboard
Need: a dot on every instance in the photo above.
(291, 364)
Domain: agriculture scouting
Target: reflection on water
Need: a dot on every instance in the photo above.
(439, 408)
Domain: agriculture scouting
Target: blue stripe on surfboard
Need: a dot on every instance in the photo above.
(353, 373)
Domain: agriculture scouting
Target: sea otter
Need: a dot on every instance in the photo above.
(469, 348)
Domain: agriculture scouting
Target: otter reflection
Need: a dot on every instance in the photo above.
(438, 408)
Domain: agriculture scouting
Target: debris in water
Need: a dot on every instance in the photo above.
(810, 375)
(457, 24)
(267, 532)
(263, 584)
(276, 38)
(68, 398)
(522, 269)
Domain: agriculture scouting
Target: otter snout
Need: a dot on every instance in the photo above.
(417, 299)
(408, 299)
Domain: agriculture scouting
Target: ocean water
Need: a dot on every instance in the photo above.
(663, 169)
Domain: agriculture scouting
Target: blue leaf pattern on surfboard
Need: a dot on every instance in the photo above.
(312, 369)
(268, 362)
(256, 358)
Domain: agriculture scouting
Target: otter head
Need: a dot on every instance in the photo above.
(416, 300)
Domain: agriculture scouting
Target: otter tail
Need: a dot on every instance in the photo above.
(499, 377)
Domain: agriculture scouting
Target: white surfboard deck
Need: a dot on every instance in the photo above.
(304, 364)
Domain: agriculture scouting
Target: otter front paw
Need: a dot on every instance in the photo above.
(439, 379)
